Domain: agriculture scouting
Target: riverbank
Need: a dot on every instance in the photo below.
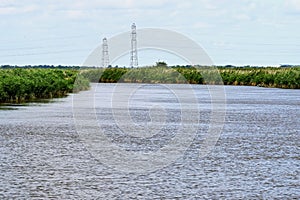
(265, 77)
(27, 84)
(288, 78)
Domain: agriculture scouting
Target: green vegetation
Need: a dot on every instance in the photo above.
(19, 84)
(265, 77)
(26, 84)
(135, 75)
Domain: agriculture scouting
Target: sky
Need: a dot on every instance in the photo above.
(65, 32)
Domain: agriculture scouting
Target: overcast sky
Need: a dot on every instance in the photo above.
(238, 32)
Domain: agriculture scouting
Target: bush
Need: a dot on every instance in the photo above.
(25, 84)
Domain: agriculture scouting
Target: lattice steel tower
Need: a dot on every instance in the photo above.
(134, 56)
(105, 57)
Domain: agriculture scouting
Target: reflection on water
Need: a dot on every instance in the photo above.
(15, 106)
(257, 155)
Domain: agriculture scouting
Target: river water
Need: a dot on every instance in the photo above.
(256, 156)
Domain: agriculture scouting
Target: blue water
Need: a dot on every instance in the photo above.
(255, 157)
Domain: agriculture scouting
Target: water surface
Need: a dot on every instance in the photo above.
(256, 156)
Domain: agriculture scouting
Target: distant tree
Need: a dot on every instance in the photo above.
(161, 64)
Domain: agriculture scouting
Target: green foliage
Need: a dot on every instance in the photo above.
(157, 74)
(161, 64)
(266, 77)
(25, 84)
(112, 75)
(93, 75)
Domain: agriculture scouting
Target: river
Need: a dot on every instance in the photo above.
(256, 155)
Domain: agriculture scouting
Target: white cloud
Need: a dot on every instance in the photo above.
(200, 25)
(242, 17)
(13, 10)
(75, 14)
(7, 10)
(7, 2)
(225, 21)
(292, 5)
(119, 4)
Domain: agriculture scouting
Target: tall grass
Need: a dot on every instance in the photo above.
(19, 85)
(265, 77)
(25, 84)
